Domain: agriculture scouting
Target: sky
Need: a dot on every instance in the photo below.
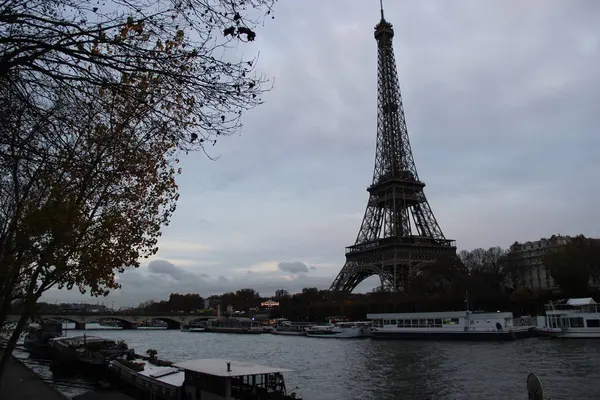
(502, 103)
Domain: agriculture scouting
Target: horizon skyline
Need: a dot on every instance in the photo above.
(288, 193)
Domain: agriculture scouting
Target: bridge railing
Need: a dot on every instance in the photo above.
(128, 313)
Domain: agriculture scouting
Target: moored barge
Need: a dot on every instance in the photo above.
(234, 325)
(453, 325)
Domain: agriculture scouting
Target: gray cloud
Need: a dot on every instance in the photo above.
(163, 267)
(294, 267)
(502, 109)
(139, 285)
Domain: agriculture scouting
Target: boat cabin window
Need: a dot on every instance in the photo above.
(593, 323)
(577, 322)
(261, 384)
(419, 323)
(451, 321)
(207, 383)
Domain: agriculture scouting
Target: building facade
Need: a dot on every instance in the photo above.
(529, 256)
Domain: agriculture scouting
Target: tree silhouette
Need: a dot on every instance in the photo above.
(574, 265)
(96, 101)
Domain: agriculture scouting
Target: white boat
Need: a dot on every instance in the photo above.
(572, 319)
(193, 327)
(339, 327)
(339, 330)
(453, 325)
(217, 379)
(287, 328)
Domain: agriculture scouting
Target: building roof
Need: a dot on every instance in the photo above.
(218, 367)
(580, 302)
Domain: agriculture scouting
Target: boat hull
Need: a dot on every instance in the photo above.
(351, 333)
(572, 333)
(233, 330)
(288, 333)
(507, 335)
(193, 329)
(141, 386)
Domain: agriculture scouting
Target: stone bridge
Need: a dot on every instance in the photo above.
(128, 320)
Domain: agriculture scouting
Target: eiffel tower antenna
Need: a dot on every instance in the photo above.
(399, 235)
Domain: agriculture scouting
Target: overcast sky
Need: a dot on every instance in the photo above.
(502, 101)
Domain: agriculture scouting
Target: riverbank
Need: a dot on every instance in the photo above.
(21, 383)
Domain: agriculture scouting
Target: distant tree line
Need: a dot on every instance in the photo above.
(488, 279)
(491, 279)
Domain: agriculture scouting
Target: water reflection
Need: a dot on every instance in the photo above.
(331, 369)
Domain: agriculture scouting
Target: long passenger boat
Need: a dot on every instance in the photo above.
(234, 325)
(453, 325)
(572, 319)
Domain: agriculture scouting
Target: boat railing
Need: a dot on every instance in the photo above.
(590, 308)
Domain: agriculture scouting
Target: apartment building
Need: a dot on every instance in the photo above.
(530, 255)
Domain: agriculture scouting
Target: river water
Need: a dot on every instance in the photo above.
(365, 369)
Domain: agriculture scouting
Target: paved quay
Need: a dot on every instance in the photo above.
(21, 383)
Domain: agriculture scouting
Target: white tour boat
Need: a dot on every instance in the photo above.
(343, 329)
(571, 318)
(453, 325)
(216, 379)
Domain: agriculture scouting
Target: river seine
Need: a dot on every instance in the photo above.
(364, 369)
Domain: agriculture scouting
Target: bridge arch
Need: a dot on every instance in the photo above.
(127, 322)
(81, 322)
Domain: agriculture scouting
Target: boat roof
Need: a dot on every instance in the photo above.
(170, 375)
(82, 339)
(218, 367)
(584, 301)
(442, 314)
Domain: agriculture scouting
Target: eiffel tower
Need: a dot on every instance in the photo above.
(399, 234)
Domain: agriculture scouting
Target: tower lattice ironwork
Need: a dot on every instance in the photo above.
(399, 234)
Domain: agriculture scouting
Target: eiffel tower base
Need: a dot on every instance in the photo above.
(395, 267)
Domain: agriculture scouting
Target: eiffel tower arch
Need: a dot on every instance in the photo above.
(399, 235)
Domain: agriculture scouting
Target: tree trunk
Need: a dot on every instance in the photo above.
(3, 313)
(28, 310)
(10, 345)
